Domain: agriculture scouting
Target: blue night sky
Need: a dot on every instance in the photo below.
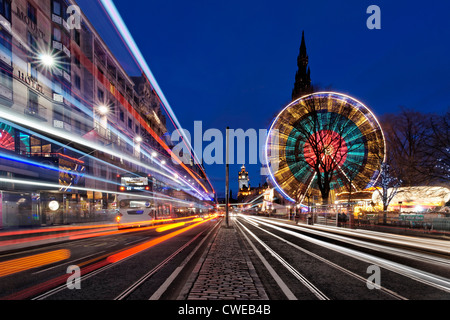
(232, 63)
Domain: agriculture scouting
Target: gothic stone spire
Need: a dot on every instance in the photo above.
(302, 83)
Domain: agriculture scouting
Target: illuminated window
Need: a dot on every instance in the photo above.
(6, 137)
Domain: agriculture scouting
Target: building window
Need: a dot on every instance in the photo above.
(76, 37)
(130, 123)
(32, 70)
(5, 48)
(100, 95)
(38, 147)
(6, 79)
(32, 13)
(5, 9)
(57, 8)
(33, 102)
(77, 125)
(57, 113)
(32, 42)
(78, 82)
(122, 116)
(65, 39)
(76, 60)
(67, 115)
(56, 34)
(24, 144)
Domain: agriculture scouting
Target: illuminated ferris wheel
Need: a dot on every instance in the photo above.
(324, 142)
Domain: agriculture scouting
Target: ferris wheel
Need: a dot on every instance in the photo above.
(324, 142)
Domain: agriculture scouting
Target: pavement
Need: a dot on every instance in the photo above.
(225, 271)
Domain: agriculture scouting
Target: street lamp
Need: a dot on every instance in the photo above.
(47, 60)
(103, 109)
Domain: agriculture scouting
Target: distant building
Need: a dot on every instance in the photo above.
(243, 179)
(263, 198)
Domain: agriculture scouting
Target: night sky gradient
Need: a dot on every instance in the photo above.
(232, 63)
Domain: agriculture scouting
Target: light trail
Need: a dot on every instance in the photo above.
(410, 272)
(71, 137)
(73, 233)
(170, 226)
(123, 31)
(57, 186)
(89, 115)
(34, 261)
(311, 287)
(328, 262)
(146, 245)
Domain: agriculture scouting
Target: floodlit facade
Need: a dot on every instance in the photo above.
(72, 122)
(416, 199)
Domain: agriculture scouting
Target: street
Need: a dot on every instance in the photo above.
(321, 263)
(110, 265)
(292, 262)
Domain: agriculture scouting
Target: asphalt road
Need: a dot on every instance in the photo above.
(109, 265)
(293, 262)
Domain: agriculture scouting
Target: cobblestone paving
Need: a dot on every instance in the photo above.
(227, 272)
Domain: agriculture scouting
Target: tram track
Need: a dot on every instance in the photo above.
(106, 266)
(133, 287)
(313, 289)
(280, 235)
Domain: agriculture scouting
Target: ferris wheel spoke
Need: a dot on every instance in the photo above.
(345, 175)
(307, 188)
(325, 132)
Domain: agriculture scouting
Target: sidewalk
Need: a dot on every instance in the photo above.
(225, 271)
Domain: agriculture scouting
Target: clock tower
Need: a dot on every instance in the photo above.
(243, 179)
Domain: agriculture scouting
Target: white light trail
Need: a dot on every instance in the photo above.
(111, 9)
(29, 122)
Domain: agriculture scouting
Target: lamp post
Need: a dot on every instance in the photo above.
(227, 170)
(102, 119)
(47, 60)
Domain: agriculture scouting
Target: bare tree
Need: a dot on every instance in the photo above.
(437, 148)
(418, 146)
(323, 144)
(406, 134)
(388, 185)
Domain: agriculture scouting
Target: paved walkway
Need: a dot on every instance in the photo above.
(225, 271)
